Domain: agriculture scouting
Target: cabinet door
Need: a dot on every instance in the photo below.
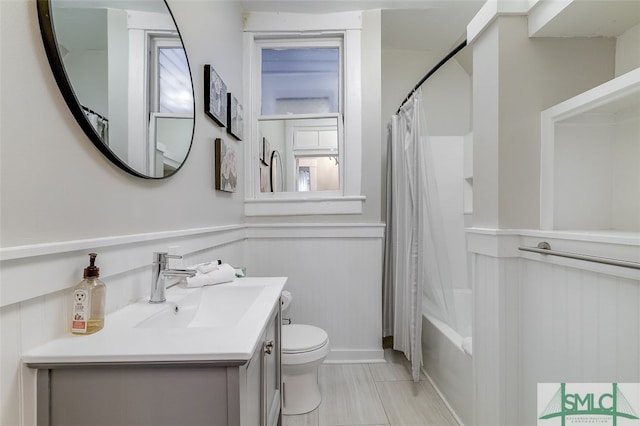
(135, 395)
(252, 404)
(271, 372)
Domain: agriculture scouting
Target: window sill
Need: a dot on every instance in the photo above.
(304, 206)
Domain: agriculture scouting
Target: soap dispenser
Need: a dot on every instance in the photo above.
(88, 301)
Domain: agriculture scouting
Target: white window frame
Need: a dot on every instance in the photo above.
(139, 24)
(347, 27)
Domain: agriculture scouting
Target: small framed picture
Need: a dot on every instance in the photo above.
(215, 96)
(226, 166)
(235, 117)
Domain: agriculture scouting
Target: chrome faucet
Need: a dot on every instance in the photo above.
(160, 274)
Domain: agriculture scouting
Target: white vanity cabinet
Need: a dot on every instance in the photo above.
(207, 392)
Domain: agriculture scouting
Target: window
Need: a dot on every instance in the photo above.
(301, 80)
(169, 76)
(170, 104)
(302, 77)
(304, 103)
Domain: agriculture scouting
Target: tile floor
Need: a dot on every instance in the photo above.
(374, 394)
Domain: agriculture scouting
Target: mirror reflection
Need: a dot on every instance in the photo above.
(122, 64)
(308, 153)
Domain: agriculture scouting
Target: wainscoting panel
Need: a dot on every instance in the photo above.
(576, 326)
(546, 319)
(495, 339)
(335, 276)
(31, 271)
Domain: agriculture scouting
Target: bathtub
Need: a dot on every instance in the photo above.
(445, 363)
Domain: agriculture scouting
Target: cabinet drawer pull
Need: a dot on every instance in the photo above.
(268, 347)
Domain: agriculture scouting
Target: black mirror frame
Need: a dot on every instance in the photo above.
(57, 67)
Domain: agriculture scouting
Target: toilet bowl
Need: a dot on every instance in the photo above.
(304, 347)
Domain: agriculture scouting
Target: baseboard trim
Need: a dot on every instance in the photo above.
(358, 356)
(441, 395)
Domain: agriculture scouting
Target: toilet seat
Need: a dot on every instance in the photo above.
(301, 338)
(302, 344)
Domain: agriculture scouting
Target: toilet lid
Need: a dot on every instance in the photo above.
(298, 338)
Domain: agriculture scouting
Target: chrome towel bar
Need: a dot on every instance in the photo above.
(545, 248)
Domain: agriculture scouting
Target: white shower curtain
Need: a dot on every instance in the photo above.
(417, 267)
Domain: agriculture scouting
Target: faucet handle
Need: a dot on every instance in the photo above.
(162, 256)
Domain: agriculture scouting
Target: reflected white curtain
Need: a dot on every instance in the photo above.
(417, 268)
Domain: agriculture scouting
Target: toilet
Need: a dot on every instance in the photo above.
(304, 348)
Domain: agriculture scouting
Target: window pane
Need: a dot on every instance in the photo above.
(300, 81)
(175, 94)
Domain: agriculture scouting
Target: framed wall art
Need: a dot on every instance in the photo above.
(215, 96)
(235, 117)
(226, 166)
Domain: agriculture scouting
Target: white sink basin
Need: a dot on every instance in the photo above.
(216, 306)
(217, 323)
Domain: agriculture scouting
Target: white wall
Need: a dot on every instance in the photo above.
(596, 173)
(515, 78)
(401, 70)
(447, 101)
(372, 174)
(627, 52)
(33, 210)
(446, 94)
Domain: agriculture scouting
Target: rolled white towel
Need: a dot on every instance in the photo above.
(205, 268)
(467, 346)
(221, 274)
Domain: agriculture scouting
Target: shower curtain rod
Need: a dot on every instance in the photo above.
(431, 71)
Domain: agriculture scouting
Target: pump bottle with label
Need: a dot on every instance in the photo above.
(88, 301)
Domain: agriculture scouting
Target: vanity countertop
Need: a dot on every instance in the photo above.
(123, 341)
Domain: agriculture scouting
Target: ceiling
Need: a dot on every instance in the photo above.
(436, 29)
(584, 18)
(406, 24)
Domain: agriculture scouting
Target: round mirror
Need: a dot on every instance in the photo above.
(123, 71)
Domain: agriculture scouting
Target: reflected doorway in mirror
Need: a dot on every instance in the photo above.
(226, 166)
